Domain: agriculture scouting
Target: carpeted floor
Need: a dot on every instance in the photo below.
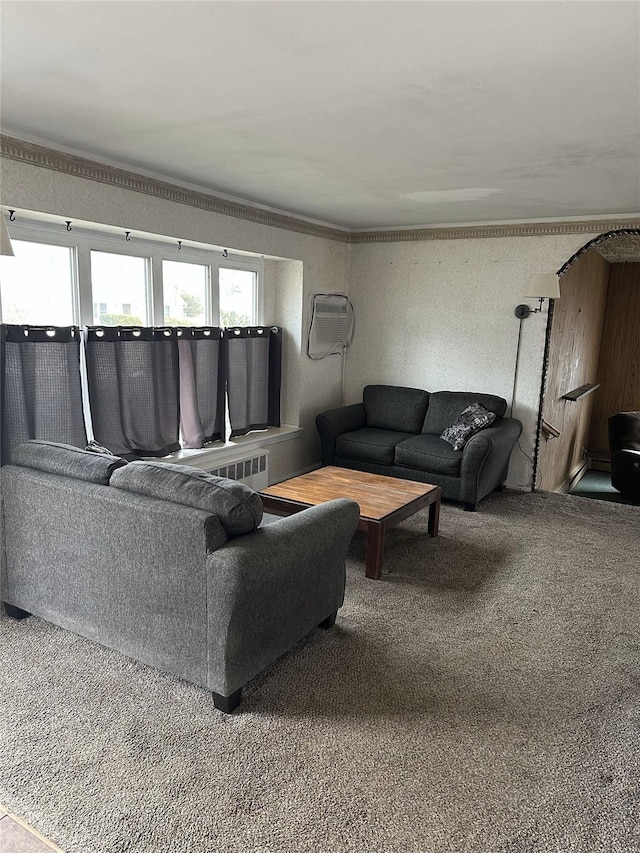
(482, 697)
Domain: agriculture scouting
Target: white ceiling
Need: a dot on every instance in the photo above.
(356, 113)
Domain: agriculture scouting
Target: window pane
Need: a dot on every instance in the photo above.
(185, 293)
(119, 285)
(237, 297)
(37, 285)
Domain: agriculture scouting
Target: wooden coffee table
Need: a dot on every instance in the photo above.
(384, 502)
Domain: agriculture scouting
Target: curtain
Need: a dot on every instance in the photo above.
(41, 390)
(202, 401)
(133, 385)
(253, 363)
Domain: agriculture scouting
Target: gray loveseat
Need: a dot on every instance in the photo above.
(397, 431)
(166, 564)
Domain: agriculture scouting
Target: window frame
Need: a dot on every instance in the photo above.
(154, 249)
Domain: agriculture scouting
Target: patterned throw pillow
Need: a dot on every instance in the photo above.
(94, 447)
(468, 422)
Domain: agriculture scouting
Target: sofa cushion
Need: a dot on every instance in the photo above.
(446, 406)
(371, 445)
(474, 418)
(66, 460)
(429, 453)
(396, 408)
(238, 507)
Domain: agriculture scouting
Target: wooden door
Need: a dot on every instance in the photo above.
(619, 363)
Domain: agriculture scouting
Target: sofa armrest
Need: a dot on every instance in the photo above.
(335, 422)
(485, 459)
(270, 588)
(625, 473)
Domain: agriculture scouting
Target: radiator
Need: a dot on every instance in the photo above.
(252, 470)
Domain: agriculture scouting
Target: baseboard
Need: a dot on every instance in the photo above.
(600, 465)
(599, 460)
(574, 477)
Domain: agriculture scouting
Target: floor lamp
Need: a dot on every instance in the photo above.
(542, 286)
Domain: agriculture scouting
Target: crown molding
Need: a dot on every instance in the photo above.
(466, 232)
(59, 161)
(70, 164)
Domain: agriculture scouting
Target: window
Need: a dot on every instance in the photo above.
(86, 275)
(185, 289)
(114, 277)
(237, 297)
(38, 285)
(89, 277)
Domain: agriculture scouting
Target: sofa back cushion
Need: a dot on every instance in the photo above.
(66, 460)
(238, 508)
(394, 407)
(446, 406)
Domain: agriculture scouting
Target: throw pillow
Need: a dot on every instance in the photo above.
(474, 418)
(94, 447)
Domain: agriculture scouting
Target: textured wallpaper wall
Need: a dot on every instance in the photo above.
(439, 315)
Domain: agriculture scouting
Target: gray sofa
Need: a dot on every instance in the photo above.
(166, 564)
(397, 431)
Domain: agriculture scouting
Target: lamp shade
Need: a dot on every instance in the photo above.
(544, 285)
(5, 240)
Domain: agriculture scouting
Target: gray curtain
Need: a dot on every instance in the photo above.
(202, 402)
(41, 390)
(253, 363)
(133, 385)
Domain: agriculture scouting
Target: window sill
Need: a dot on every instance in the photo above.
(231, 450)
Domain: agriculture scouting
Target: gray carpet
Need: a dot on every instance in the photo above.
(484, 696)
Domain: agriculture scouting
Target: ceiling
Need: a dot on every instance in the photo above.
(362, 115)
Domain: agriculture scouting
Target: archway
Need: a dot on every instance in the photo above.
(577, 389)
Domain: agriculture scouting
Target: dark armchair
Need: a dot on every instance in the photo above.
(624, 444)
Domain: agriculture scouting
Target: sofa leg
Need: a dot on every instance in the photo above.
(16, 612)
(470, 507)
(329, 622)
(227, 704)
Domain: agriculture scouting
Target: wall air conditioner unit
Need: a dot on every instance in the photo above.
(332, 323)
(252, 470)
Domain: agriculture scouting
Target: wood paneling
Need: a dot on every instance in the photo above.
(619, 366)
(574, 350)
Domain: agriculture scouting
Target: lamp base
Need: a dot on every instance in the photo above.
(522, 311)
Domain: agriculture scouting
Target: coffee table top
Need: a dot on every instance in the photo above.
(377, 495)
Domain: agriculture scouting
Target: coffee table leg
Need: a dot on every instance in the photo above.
(434, 517)
(375, 550)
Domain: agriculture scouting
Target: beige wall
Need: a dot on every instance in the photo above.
(439, 315)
